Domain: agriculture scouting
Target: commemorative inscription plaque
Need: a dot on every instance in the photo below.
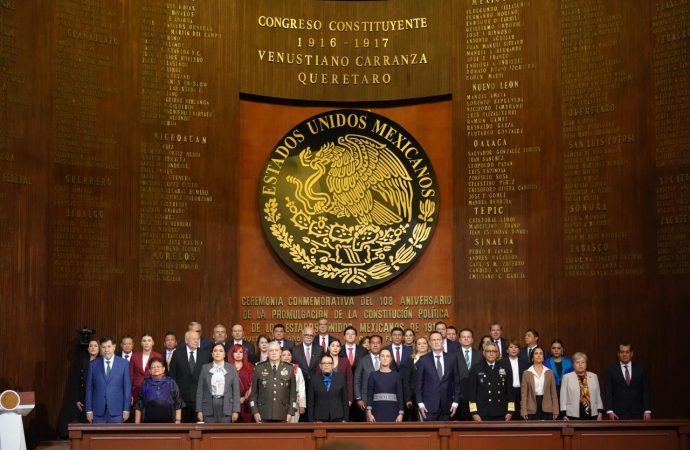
(348, 199)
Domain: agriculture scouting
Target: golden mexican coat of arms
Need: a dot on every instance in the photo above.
(349, 199)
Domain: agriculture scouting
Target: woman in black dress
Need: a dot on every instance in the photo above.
(385, 392)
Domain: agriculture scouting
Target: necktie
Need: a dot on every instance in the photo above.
(167, 359)
(192, 361)
(376, 362)
(323, 344)
(491, 366)
(127, 358)
(397, 356)
(467, 358)
(439, 367)
(627, 375)
(275, 369)
(529, 354)
(107, 369)
(308, 355)
(351, 356)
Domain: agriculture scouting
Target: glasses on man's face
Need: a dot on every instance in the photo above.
(490, 351)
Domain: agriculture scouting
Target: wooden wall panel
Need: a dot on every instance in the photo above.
(129, 169)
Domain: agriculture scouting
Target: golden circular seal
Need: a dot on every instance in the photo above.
(348, 199)
(9, 400)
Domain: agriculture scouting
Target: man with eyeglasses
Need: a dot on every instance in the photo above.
(489, 393)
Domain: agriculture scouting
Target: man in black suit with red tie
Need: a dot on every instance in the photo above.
(627, 388)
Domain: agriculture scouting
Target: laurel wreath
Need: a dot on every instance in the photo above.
(353, 275)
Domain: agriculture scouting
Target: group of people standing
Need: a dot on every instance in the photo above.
(323, 379)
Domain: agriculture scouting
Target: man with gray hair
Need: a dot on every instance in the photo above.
(185, 369)
(274, 389)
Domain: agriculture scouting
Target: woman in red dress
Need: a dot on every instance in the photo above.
(245, 369)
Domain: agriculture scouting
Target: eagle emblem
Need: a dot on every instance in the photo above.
(356, 211)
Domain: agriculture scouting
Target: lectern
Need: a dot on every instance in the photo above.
(14, 405)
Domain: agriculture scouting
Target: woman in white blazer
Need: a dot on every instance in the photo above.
(218, 391)
(580, 393)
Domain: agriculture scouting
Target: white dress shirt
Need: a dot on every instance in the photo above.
(538, 379)
(516, 371)
(218, 380)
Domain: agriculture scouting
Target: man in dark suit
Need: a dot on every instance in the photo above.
(627, 388)
(488, 387)
(496, 333)
(170, 344)
(354, 354)
(185, 369)
(126, 347)
(437, 387)
(238, 338)
(531, 342)
(448, 346)
(468, 357)
(307, 355)
(366, 367)
(351, 349)
(327, 395)
(279, 336)
(108, 386)
(401, 353)
(203, 342)
(324, 339)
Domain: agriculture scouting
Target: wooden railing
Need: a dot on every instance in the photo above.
(556, 435)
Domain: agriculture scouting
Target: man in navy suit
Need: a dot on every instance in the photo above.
(448, 345)
(627, 388)
(496, 333)
(279, 336)
(531, 342)
(401, 353)
(108, 386)
(437, 388)
(468, 357)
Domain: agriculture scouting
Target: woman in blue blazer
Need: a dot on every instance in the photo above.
(558, 363)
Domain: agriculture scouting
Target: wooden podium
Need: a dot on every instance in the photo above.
(14, 405)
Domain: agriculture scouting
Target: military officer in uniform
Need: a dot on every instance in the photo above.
(274, 389)
(489, 388)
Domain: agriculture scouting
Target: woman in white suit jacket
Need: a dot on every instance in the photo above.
(218, 390)
(580, 393)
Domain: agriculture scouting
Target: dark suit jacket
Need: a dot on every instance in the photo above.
(463, 372)
(185, 378)
(317, 340)
(409, 379)
(113, 393)
(453, 346)
(287, 343)
(300, 358)
(364, 369)
(628, 402)
(327, 406)
(437, 395)
(523, 356)
(405, 353)
(360, 352)
(231, 394)
(504, 347)
(522, 366)
(205, 343)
